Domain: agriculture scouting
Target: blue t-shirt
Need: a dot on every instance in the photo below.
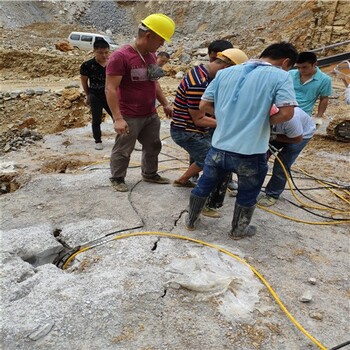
(243, 96)
(307, 93)
(300, 124)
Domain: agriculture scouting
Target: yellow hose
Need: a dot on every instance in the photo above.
(299, 200)
(304, 221)
(262, 279)
(329, 189)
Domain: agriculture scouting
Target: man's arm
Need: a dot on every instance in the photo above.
(322, 106)
(284, 114)
(207, 107)
(112, 84)
(84, 83)
(200, 119)
(285, 139)
(168, 110)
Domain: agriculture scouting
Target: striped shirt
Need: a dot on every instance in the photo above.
(188, 96)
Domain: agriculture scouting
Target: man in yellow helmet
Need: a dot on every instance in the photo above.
(131, 89)
(191, 129)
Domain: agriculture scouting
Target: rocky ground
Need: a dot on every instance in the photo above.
(152, 291)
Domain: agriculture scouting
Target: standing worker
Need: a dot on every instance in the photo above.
(310, 84)
(241, 97)
(93, 80)
(131, 89)
(191, 128)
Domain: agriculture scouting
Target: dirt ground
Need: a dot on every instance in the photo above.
(50, 117)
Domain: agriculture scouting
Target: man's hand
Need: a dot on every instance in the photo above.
(318, 121)
(168, 110)
(121, 126)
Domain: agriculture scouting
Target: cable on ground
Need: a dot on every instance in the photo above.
(262, 279)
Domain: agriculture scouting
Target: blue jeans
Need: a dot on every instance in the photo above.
(288, 153)
(250, 169)
(196, 144)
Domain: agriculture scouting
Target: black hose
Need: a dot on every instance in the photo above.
(316, 178)
(311, 212)
(340, 345)
(278, 155)
(310, 199)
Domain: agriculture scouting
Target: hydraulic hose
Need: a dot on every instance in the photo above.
(262, 279)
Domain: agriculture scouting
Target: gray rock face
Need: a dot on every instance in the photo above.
(105, 15)
(152, 291)
(39, 247)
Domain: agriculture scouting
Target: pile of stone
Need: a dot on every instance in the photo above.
(9, 95)
(15, 138)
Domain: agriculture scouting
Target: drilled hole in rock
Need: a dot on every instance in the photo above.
(57, 232)
(43, 258)
(49, 255)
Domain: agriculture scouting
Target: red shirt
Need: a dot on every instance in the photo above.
(136, 93)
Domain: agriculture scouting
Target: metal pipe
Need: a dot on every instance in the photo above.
(330, 46)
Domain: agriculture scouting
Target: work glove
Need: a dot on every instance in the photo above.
(318, 121)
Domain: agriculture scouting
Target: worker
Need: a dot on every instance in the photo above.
(131, 90)
(93, 80)
(218, 46)
(288, 139)
(162, 58)
(241, 97)
(311, 84)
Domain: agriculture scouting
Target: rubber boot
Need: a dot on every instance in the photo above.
(240, 222)
(196, 206)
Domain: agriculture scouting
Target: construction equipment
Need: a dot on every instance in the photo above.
(339, 127)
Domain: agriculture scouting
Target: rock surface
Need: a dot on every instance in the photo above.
(153, 291)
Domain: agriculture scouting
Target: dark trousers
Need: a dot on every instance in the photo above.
(98, 102)
(288, 153)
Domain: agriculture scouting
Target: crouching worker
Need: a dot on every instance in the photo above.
(289, 138)
(241, 97)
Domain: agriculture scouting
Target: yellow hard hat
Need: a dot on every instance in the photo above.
(236, 56)
(161, 24)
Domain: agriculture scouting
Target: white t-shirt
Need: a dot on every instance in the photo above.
(300, 124)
